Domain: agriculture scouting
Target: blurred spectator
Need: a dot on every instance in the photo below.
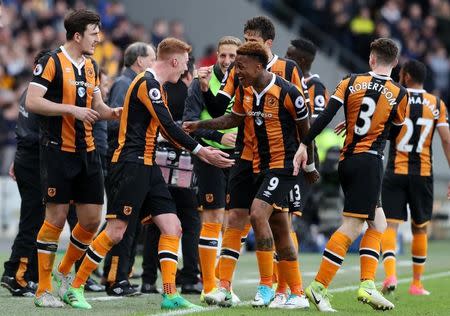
(209, 57)
(160, 30)
(176, 29)
(362, 27)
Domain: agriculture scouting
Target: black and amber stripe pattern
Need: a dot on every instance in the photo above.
(282, 67)
(273, 113)
(208, 243)
(332, 257)
(387, 255)
(46, 247)
(229, 254)
(67, 84)
(410, 152)
(372, 103)
(370, 253)
(166, 255)
(145, 114)
(317, 93)
(94, 256)
(78, 244)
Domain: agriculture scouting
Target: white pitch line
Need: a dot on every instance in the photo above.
(337, 290)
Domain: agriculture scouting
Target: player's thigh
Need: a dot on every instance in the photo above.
(241, 185)
(361, 177)
(394, 196)
(420, 199)
(211, 182)
(88, 187)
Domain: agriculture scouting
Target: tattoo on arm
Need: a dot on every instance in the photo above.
(287, 254)
(265, 244)
(223, 122)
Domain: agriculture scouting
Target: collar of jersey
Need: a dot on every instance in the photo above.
(259, 96)
(78, 66)
(379, 76)
(150, 70)
(272, 61)
(416, 90)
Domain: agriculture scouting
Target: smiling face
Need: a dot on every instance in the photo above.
(248, 70)
(226, 55)
(89, 39)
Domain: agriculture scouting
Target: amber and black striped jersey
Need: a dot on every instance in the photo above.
(273, 114)
(318, 94)
(410, 151)
(144, 113)
(67, 82)
(282, 67)
(372, 103)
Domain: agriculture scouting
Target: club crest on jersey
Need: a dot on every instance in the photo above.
(127, 210)
(81, 91)
(154, 94)
(51, 192)
(299, 102)
(209, 197)
(271, 101)
(38, 70)
(90, 72)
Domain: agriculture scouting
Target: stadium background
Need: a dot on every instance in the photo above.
(341, 28)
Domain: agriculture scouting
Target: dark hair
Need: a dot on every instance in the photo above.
(133, 51)
(305, 49)
(77, 21)
(41, 54)
(254, 50)
(416, 69)
(263, 25)
(385, 49)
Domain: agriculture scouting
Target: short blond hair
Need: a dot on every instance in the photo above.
(170, 46)
(229, 40)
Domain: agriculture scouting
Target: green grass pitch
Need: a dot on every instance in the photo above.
(343, 288)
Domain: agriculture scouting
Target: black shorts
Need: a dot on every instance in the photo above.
(360, 176)
(212, 185)
(138, 190)
(241, 185)
(274, 187)
(298, 195)
(66, 176)
(400, 190)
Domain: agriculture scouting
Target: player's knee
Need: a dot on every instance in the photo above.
(92, 226)
(415, 229)
(173, 230)
(115, 229)
(237, 219)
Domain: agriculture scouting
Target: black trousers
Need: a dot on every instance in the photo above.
(186, 202)
(32, 214)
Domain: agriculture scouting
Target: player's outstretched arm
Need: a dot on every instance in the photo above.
(215, 157)
(105, 112)
(226, 121)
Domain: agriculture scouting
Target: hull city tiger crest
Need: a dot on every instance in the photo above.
(51, 192)
(127, 210)
(209, 197)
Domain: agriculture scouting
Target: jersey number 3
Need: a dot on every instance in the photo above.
(365, 116)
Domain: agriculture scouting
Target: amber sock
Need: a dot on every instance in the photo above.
(388, 247)
(291, 272)
(94, 255)
(229, 255)
(265, 265)
(333, 257)
(244, 233)
(47, 244)
(369, 254)
(168, 259)
(207, 251)
(419, 256)
(80, 239)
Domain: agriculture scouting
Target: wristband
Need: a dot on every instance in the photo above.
(197, 149)
(310, 168)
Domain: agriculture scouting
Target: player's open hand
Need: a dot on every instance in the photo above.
(215, 157)
(84, 114)
(190, 127)
(448, 191)
(300, 158)
(340, 129)
(11, 171)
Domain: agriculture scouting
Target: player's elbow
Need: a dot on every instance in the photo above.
(30, 103)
